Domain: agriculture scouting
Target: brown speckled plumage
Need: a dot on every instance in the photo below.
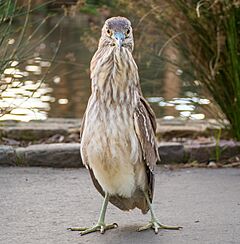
(118, 131)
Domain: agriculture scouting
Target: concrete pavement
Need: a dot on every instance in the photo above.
(38, 204)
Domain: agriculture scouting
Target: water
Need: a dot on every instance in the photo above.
(66, 89)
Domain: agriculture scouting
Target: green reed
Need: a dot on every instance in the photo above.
(211, 42)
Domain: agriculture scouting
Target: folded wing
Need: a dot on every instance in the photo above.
(145, 128)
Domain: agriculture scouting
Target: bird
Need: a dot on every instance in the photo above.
(118, 144)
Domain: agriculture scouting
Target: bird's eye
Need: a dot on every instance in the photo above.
(109, 32)
(128, 32)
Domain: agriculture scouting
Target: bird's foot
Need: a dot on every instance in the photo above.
(98, 227)
(155, 225)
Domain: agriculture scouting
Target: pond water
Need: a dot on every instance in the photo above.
(65, 91)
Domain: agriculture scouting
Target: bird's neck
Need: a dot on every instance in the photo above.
(114, 75)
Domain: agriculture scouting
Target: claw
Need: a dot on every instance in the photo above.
(115, 225)
(98, 227)
(155, 225)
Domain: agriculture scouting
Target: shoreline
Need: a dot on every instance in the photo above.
(55, 143)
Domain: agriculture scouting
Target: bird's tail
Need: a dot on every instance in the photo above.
(138, 200)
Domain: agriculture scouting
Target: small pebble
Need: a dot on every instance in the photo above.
(212, 164)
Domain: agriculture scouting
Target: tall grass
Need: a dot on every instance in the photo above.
(17, 45)
(211, 41)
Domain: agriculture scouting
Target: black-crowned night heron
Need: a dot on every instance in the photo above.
(118, 132)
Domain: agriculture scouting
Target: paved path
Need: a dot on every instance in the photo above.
(38, 204)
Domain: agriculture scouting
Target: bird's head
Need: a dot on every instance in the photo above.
(117, 31)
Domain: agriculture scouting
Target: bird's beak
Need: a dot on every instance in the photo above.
(119, 38)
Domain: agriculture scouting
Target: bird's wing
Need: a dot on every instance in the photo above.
(145, 128)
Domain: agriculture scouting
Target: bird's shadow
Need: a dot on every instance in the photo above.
(129, 234)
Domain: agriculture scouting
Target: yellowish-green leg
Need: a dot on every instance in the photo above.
(154, 223)
(100, 226)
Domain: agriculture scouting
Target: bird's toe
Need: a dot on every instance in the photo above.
(155, 225)
(98, 227)
(77, 228)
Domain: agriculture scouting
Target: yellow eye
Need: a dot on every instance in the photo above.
(109, 32)
(128, 32)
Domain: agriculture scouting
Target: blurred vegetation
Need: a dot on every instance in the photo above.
(211, 42)
(91, 6)
(17, 46)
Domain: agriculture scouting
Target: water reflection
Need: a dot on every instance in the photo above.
(186, 107)
(25, 96)
(66, 90)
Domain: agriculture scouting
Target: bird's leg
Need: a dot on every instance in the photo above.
(100, 226)
(154, 223)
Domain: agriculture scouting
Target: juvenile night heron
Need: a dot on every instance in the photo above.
(118, 131)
